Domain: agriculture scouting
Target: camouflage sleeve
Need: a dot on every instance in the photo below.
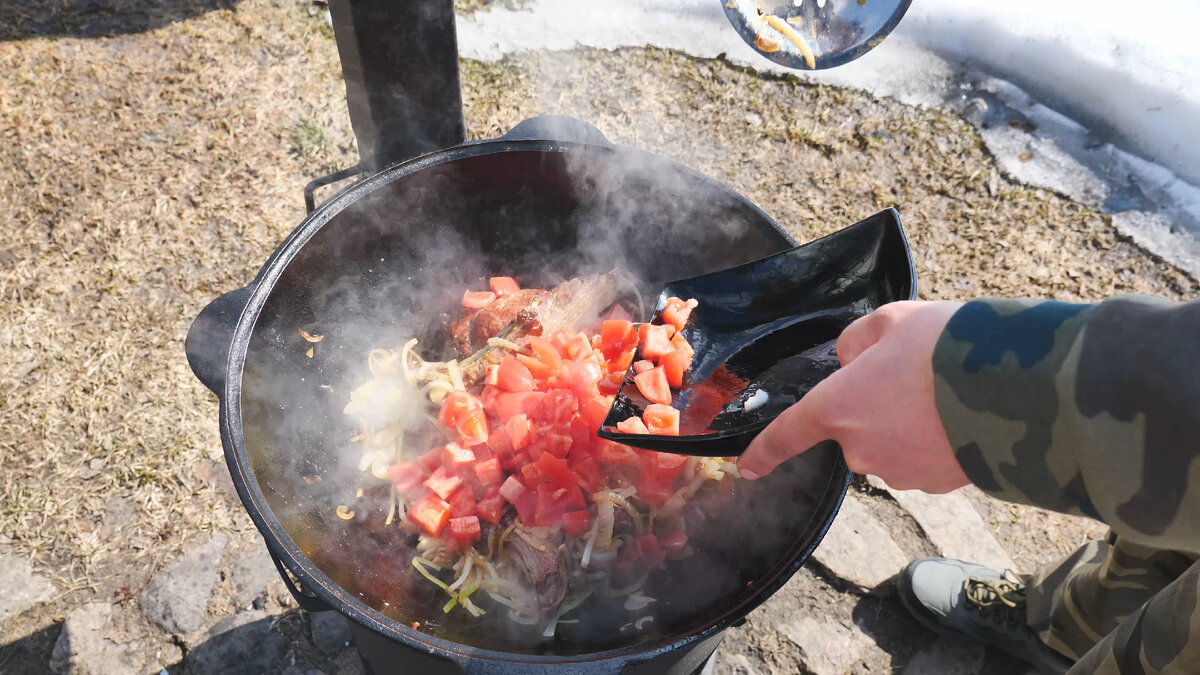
(1086, 409)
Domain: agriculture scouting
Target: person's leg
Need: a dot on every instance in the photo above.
(1074, 603)
(1161, 636)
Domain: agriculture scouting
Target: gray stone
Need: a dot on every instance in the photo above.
(349, 662)
(330, 631)
(858, 548)
(738, 664)
(954, 527)
(243, 643)
(947, 657)
(84, 646)
(20, 587)
(252, 574)
(826, 647)
(177, 596)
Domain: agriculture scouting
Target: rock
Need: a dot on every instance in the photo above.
(20, 587)
(349, 662)
(826, 647)
(330, 632)
(95, 640)
(754, 119)
(674, 110)
(947, 657)
(738, 664)
(858, 548)
(251, 574)
(954, 527)
(242, 643)
(177, 596)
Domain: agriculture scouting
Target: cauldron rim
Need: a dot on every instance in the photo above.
(289, 556)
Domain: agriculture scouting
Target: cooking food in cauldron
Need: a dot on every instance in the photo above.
(508, 498)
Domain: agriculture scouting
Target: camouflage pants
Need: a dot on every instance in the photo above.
(1119, 607)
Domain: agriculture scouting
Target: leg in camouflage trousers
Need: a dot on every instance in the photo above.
(1116, 606)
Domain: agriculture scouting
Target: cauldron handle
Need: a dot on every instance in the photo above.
(307, 602)
(556, 128)
(209, 339)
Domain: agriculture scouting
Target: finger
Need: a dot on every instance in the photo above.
(860, 335)
(797, 429)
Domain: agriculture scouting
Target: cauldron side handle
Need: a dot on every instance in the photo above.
(556, 128)
(209, 339)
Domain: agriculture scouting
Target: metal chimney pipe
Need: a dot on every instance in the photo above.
(400, 62)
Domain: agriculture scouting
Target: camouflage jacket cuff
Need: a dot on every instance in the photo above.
(998, 370)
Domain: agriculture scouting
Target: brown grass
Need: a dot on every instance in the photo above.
(145, 173)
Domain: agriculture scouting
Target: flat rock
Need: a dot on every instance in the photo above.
(826, 647)
(330, 631)
(251, 574)
(947, 657)
(97, 639)
(20, 587)
(243, 643)
(858, 548)
(349, 662)
(177, 596)
(954, 527)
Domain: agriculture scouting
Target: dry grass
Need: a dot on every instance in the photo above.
(145, 173)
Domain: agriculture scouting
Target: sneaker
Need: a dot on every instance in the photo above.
(976, 603)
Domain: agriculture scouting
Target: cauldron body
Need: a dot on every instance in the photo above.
(379, 262)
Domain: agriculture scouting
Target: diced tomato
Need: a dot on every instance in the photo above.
(455, 457)
(655, 340)
(557, 444)
(458, 406)
(680, 344)
(490, 508)
(579, 346)
(465, 529)
(509, 405)
(617, 313)
(499, 442)
(531, 474)
(431, 513)
(489, 472)
(676, 311)
(582, 435)
(674, 540)
(512, 489)
(473, 430)
(555, 470)
(462, 502)
(493, 376)
(614, 453)
(661, 467)
(588, 474)
(546, 352)
(483, 452)
(514, 375)
(527, 508)
(518, 430)
(642, 366)
(632, 425)
(581, 378)
(477, 299)
(654, 492)
(596, 410)
(616, 337)
(649, 550)
(577, 522)
(653, 385)
(575, 497)
(675, 364)
(406, 475)
(431, 460)
(514, 461)
(661, 419)
(538, 370)
(551, 507)
(443, 483)
(502, 286)
(556, 408)
(611, 383)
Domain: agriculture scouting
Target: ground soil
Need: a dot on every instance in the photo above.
(153, 156)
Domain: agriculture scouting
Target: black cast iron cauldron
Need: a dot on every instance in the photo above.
(549, 200)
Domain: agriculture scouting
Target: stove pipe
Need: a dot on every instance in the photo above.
(400, 62)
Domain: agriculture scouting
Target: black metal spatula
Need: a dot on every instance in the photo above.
(765, 333)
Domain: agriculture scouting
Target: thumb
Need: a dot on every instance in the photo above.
(797, 429)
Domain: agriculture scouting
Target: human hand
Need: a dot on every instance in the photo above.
(879, 407)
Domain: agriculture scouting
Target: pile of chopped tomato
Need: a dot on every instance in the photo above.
(527, 440)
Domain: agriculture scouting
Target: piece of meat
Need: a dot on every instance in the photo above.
(491, 320)
(545, 569)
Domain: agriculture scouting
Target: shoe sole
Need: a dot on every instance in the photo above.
(925, 618)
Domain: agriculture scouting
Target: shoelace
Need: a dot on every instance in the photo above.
(1001, 600)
